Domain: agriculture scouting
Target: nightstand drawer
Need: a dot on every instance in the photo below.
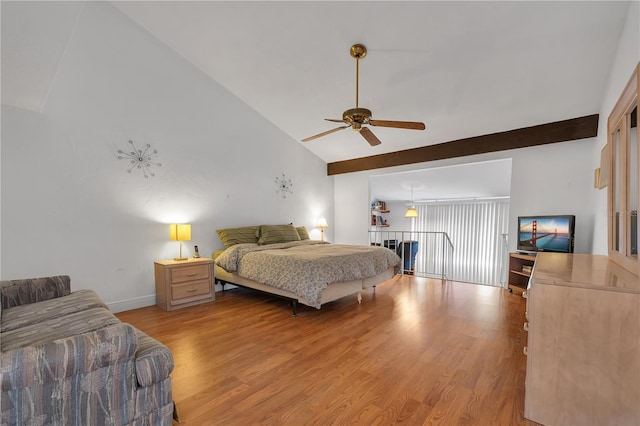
(190, 273)
(190, 290)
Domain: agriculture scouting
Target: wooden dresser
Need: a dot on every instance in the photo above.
(583, 365)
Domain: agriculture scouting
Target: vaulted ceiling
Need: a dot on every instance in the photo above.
(463, 68)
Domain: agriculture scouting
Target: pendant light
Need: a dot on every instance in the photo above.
(411, 211)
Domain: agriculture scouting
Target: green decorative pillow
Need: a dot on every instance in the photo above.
(302, 231)
(232, 236)
(272, 234)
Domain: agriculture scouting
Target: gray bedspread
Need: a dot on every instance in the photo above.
(305, 268)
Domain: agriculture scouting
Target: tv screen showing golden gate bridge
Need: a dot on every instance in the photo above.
(545, 233)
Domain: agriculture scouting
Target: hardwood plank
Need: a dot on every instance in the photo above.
(416, 351)
(560, 131)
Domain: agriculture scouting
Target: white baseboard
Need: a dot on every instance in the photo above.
(137, 302)
(143, 301)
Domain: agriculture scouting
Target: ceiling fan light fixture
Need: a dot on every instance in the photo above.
(357, 117)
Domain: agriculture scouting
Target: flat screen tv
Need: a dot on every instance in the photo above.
(546, 233)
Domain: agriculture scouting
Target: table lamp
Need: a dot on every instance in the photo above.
(180, 232)
(322, 223)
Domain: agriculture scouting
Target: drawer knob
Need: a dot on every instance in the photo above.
(526, 326)
(191, 290)
(192, 274)
(524, 350)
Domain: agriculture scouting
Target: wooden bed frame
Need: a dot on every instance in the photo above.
(333, 291)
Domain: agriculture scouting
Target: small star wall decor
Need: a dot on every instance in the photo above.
(284, 186)
(140, 159)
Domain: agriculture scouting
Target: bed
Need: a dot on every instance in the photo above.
(282, 260)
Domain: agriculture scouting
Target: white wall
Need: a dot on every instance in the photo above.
(396, 221)
(549, 179)
(626, 59)
(395, 217)
(68, 206)
(1, 180)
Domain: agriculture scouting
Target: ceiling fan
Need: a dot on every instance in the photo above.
(357, 117)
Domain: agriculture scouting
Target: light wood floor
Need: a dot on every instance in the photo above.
(416, 351)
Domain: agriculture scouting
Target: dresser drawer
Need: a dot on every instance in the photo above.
(189, 273)
(190, 290)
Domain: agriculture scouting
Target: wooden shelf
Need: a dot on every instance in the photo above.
(523, 256)
(518, 278)
(376, 215)
(524, 274)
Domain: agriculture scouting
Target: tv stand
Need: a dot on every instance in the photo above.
(520, 268)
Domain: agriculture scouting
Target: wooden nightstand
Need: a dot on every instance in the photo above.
(184, 283)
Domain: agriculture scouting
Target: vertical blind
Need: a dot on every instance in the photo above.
(476, 230)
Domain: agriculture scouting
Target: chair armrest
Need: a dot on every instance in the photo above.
(59, 359)
(31, 290)
(154, 361)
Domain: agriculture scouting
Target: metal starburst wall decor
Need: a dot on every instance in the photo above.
(140, 159)
(284, 186)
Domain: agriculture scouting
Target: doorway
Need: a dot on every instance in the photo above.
(468, 202)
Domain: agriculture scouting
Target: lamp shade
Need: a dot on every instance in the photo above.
(322, 222)
(180, 232)
(411, 212)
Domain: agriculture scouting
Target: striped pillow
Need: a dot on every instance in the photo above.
(272, 234)
(232, 236)
(302, 231)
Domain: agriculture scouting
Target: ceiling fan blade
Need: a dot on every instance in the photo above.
(414, 125)
(369, 136)
(335, 120)
(319, 135)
